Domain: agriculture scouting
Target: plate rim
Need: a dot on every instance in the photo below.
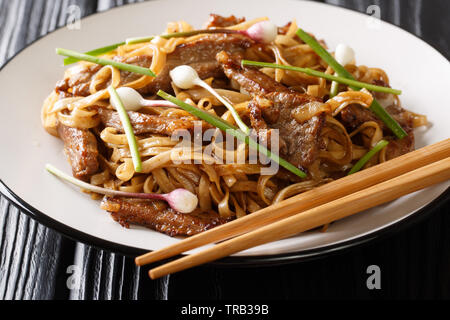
(233, 261)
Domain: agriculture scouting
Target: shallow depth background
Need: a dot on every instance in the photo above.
(37, 263)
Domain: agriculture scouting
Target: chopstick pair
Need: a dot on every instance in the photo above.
(333, 201)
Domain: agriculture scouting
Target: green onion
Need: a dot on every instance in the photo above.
(319, 74)
(179, 35)
(96, 52)
(132, 142)
(234, 131)
(334, 89)
(180, 200)
(106, 62)
(369, 155)
(341, 71)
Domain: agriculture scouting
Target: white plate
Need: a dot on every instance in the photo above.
(415, 67)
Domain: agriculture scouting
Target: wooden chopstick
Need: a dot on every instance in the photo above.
(318, 216)
(318, 196)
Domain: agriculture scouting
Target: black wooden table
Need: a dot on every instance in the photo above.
(39, 263)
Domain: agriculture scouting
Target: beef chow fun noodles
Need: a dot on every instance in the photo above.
(321, 128)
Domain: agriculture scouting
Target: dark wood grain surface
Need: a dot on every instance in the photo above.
(39, 263)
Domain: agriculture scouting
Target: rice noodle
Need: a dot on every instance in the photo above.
(221, 176)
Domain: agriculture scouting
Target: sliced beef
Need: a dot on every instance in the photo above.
(250, 79)
(272, 108)
(81, 149)
(79, 77)
(78, 82)
(157, 215)
(397, 147)
(201, 55)
(145, 123)
(257, 107)
(402, 116)
(299, 142)
(354, 116)
(141, 61)
(218, 21)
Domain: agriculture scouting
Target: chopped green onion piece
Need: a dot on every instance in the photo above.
(106, 62)
(96, 52)
(234, 131)
(139, 40)
(376, 108)
(323, 75)
(334, 89)
(178, 35)
(165, 36)
(369, 155)
(128, 128)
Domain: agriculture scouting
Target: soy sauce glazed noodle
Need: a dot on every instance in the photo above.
(324, 137)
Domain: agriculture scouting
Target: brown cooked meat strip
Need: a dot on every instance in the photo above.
(208, 46)
(200, 55)
(354, 116)
(397, 148)
(80, 147)
(218, 21)
(78, 82)
(272, 108)
(141, 61)
(303, 140)
(299, 142)
(145, 123)
(157, 215)
(250, 79)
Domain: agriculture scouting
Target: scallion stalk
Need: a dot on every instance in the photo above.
(369, 155)
(96, 52)
(234, 131)
(106, 62)
(180, 200)
(128, 128)
(323, 75)
(178, 35)
(334, 89)
(376, 108)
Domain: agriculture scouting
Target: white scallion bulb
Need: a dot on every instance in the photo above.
(344, 54)
(264, 31)
(184, 77)
(131, 99)
(182, 200)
